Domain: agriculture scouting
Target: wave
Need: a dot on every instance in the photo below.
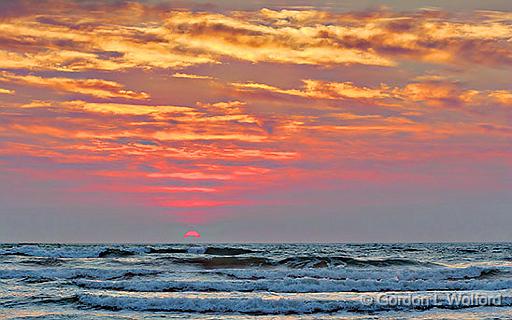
(115, 253)
(297, 285)
(227, 262)
(342, 273)
(71, 251)
(208, 256)
(299, 262)
(56, 251)
(36, 300)
(217, 251)
(166, 250)
(322, 262)
(46, 262)
(255, 306)
(74, 273)
(227, 251)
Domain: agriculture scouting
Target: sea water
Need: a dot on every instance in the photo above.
(260, 281)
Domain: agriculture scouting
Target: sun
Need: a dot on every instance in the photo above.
(192, 233)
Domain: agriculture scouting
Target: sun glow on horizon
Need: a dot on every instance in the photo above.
(192, 233)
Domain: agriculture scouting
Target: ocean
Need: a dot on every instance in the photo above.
(256, 281)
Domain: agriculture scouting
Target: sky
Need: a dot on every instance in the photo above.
(255, 121)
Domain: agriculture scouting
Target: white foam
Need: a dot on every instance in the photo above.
(257, 305)
(441, 273)
(197, 250)
(244, 305)
(304, 285)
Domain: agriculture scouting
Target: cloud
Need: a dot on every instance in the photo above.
(218, 121)
(191, 76)
(151, 37)
(128, 109)
(502, 96)
(204, 122)
(191, 135)
(300, 101)
(6, 91)
(191, 175)
(193, 203)
(253, 39)
(449, 93)
(432, 92)
(93, 87)
(36, 104)
(316, 89)
(496, 128)
(154, 189)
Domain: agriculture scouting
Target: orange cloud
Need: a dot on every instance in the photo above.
(251, 39)
(431, 92)
(323, 90)
(128, 109)
(224, 121)
(191, 76)
(93, 87)
(142, 36)
(6, 91)
(502, 96)
(153, 189)
(441, 93)
(36, 104)
(191, 176)
(192, 203)
(43, 130)
(184, 135)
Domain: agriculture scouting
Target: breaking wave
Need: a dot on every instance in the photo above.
(300, 262)
(441, 273)
(253, 306)
(297, 285)
(321, 262)
(74, 273)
